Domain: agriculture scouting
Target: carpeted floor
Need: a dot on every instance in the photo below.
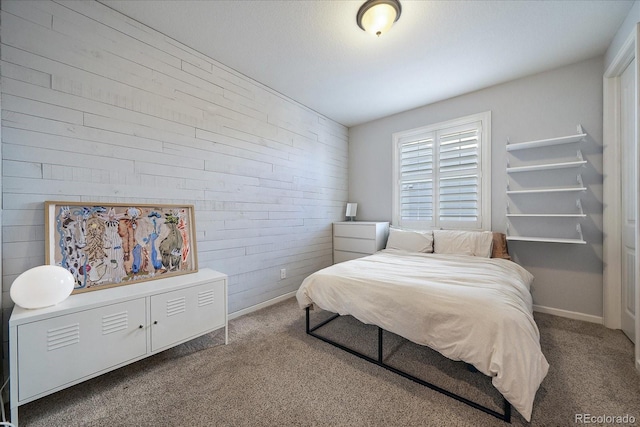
(273, 374)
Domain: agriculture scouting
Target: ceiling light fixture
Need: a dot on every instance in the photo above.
(377, 16)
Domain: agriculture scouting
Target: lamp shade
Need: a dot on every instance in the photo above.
(377, 16)
(42, 286)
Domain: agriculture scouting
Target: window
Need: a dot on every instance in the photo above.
(442, 175)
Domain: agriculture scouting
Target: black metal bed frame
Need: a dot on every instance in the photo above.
(506, 416)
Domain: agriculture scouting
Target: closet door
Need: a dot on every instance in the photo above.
(629, 197)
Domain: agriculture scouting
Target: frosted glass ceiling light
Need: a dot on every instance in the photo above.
(377, 16)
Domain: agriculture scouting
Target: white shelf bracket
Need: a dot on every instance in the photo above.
(579, 206)
(508, 233)
(579, 230)
(580, 158)
(580, 183)
(508, 208)
(580, 131)
(508, 184)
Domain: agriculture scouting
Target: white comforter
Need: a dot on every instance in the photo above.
(478, 310)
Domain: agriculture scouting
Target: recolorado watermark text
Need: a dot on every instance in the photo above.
(604, 419)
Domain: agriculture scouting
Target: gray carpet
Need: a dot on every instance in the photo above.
(273, 374)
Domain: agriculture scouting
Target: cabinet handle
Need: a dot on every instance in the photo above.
(155, 322)
(141, 326)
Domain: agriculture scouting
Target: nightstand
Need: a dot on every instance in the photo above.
(355, 239)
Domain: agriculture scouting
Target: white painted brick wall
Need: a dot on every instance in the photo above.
(97, 107)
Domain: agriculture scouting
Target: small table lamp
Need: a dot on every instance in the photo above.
(351, 210)
(42, 286)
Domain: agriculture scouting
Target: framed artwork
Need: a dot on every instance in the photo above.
(107, 244)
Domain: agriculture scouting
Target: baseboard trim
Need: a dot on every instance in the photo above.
(569, 314)
(257, 307)
(539, 308)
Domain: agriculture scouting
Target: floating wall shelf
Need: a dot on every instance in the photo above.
(577, 188)
(576, 215)
(548, 142)
(548, 190)
(579, 214)
(544, 239)
(580, 240)
(546, 166)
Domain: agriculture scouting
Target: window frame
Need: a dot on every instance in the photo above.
(484, 173)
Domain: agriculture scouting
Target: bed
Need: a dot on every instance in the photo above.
(470, 308)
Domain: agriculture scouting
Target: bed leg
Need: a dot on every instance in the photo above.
(379, 344)
(507, 410)
(307, 310)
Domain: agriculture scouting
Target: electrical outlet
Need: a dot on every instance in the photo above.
(283, 273)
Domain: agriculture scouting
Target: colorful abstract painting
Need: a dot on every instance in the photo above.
(105, 245)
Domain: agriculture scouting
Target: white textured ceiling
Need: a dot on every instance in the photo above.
(314, 53)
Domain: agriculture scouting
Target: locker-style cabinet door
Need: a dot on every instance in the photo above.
(70, 347)
(186, 313)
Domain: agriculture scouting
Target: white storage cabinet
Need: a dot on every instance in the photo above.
(92, 333)
(355, 239)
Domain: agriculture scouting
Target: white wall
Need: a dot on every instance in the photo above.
(546, 105)
(622, 34)
(97, 107)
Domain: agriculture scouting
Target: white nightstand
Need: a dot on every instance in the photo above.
(355, 239)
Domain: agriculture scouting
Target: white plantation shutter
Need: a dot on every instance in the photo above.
(459, 176)
(438, 174)
(416, 180)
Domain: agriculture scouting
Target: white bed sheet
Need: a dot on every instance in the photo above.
(478, 310)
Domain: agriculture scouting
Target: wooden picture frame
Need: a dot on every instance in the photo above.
(112, 244)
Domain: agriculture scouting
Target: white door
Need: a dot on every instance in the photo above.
(629, 197)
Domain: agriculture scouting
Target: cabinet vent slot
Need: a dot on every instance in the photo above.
(63, 336)
(176, 306)
(205, 298)
(115, 322)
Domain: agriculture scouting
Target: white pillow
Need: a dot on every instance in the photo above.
(410, 240)
(463, 242)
